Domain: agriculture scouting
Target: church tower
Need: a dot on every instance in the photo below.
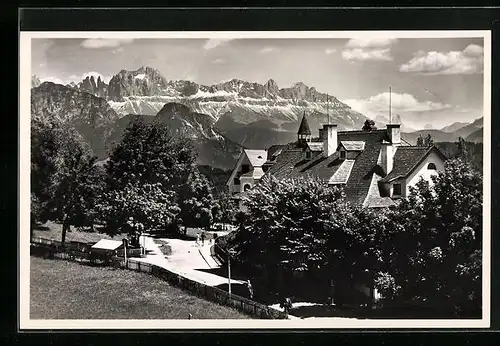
(304, 133)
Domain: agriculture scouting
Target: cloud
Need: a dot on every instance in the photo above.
(218, 61)
(403, 104)
(414, 113)
(373, 42)
(468, 61)
(118, 50)
(267, 50)
(370, 54)
(377, 49)
(95, 43)
(330, 50)
(212, 43)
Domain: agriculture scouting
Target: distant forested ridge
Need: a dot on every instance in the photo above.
(473, 152)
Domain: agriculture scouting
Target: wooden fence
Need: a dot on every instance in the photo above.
(77, 252)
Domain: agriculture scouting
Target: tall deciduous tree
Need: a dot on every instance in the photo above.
(149, 153)
(301, 225)
(433, 248)
(138, 207)
(62, 183)
(151, 164)
(196, 201)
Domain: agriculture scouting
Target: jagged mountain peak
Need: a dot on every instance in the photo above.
(145, 81)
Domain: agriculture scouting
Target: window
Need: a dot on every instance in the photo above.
(342, 154)
(308, 154)
(431, 166)
(246, 187)
(236, 181)
(396, 189)
(245, 169)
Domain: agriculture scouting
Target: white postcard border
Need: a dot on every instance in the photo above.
(25, 323)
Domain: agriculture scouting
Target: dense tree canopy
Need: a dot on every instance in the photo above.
(153, 183)
(302, 225)
(427, 249)
(65, 181)
(434, 242)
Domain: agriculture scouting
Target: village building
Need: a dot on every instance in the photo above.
(375, 167)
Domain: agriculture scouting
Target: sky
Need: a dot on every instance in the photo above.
(434, 81)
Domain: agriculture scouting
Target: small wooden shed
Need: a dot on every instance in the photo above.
(104, 249)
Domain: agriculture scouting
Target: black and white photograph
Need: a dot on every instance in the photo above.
(326, 179)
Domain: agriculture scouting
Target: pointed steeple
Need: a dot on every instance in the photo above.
(304, 132)
(304, 128)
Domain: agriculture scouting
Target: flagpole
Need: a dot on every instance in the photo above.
(327, 110)
(390, 105)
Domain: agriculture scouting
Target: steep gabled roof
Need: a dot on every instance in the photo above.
(256, 157)
(407, 158)
(304, 128)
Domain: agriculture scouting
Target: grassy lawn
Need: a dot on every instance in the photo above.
(67, 290)
(52, 230)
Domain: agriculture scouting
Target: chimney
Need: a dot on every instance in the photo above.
(394, 133)
(330, 141)
(389, 148)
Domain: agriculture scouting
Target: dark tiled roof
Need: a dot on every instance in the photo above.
(286, 162)
(292, 163)
(304, 128)
(275, 150)
(405, 160)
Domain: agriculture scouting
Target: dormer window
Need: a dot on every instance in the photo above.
(308, 155)
(431, 166)
(245, 169)
(343, 154)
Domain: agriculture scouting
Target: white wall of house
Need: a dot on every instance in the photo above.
(246, 181)
(236, 188)
(423, 171)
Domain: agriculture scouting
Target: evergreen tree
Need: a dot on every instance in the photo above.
(369, 125)
(428, 141)
(420, 141)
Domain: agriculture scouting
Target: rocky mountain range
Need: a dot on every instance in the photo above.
(102, 127)
(472, 132)
(92, 116)
(218, 118)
